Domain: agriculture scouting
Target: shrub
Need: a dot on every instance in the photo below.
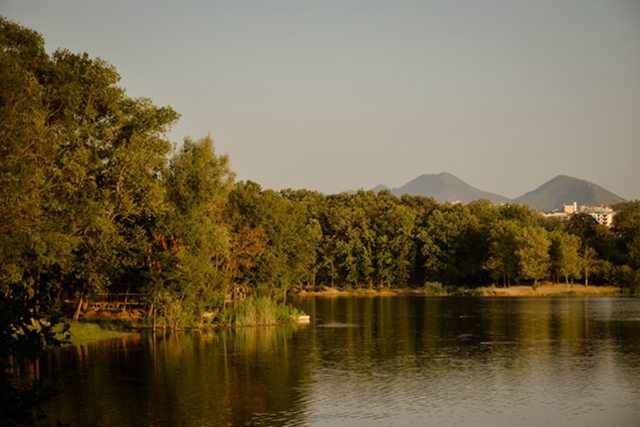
(434, 289)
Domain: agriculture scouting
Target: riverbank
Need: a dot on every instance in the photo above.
(545, 290)
(385, 292)
(551, 290)
(89, 332)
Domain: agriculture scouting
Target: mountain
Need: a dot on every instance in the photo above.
(561, 190)
(445, 187)
(379, 188)
(564, 190)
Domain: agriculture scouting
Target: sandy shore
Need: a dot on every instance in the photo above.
(513, 291)
(554, 290)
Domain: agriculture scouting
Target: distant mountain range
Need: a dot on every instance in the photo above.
(561, 190)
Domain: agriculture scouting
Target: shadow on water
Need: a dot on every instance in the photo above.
(209, 378)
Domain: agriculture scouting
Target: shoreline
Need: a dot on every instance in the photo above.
(545, 290)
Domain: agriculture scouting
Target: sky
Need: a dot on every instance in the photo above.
(335, 95)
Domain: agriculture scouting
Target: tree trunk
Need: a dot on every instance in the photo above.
(76, 315)
(586, 278)
(152, 314)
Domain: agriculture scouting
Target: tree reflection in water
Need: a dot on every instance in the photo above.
(385, 361)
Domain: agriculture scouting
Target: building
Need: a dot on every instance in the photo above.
(570, 209)
(562, 216)
(602, 214)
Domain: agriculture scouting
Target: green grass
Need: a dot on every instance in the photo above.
(260, 311)
(85, 332)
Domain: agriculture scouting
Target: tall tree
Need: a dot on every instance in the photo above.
(197, 184)
(533, 253)
(626, 227)
(564, 255)
(502, 262)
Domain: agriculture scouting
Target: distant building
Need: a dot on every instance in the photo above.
(570, 209)
(562, 216)
(602, 214)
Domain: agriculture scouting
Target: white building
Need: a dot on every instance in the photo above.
(602, 214)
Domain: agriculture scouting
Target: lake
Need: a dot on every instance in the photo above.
(372, 361)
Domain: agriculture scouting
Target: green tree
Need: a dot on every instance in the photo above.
(533, 253)
(564, 255)
(394, 248)
(504, 240)
(291, 238)
(194, 233)
(626, 228)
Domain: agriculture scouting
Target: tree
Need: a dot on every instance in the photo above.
(197, 184)
(626, 228)
(290, 238)
(564, 254)
(589, 257)
(394, 248)
(504, 244)
(533, 253)
(441, 240)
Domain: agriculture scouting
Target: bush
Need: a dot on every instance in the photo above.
(470, 292)
(434, 289)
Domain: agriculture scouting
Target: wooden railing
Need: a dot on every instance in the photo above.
(116, 302)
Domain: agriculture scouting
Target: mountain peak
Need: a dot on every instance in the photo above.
(564, 190)
(558, 191)
(445, 187)
(380, 187)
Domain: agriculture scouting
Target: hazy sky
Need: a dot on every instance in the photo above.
(334, 95)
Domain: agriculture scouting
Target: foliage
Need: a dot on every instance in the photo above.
(564, 254)
(434, 289)
(503, 247)
(533, 253)
(183, 279)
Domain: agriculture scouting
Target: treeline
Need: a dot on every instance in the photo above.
(96, 199)
(379, 240)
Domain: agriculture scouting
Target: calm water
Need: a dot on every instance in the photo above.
(373, 361)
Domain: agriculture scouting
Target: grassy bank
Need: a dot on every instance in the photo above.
(544, 290)
(87, 332)
(549, 290)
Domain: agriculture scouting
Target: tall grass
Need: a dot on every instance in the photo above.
(261, 311)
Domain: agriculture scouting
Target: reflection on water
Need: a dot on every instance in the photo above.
(380, 361)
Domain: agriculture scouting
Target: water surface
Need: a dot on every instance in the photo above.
(372, 361)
